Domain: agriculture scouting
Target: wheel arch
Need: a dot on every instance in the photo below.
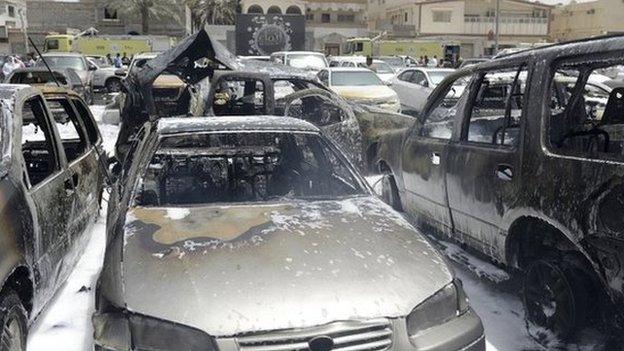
(531, 236)
(21, 281)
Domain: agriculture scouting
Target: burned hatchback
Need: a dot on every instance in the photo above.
(256, 233)
(527, 167)
(50, 185)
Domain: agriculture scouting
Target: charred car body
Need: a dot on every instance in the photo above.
(227, 231)
(50, 186)
(526, 167)
(217, 83)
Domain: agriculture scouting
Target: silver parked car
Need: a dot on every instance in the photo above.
(413, 85)
(78, 62)
(255, 233)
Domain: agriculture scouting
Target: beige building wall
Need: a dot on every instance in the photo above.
(586, 19)
(442, 18)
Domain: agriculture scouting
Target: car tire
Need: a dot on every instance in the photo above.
(14, 322)
(113, 85)
(556, 298)
(390, 192)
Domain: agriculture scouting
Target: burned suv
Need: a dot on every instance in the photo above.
(50, 186)
(527, 167)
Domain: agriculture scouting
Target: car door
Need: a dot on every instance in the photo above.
(51, 190)
(482, 166)
(420, 90)
(424, 160)
(402, 86)
(82, 158)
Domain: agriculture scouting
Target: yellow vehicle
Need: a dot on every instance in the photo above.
(413, 48)
(102, 45)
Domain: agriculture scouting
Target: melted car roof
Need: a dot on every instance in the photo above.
(233, 123)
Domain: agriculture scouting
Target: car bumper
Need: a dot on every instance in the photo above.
(463, 333)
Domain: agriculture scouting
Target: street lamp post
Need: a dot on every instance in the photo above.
(496, 28)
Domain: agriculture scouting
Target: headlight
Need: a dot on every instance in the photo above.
(443, 306)
(131, 332)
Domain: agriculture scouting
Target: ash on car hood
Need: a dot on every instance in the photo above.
(233, 269)
(367, 92)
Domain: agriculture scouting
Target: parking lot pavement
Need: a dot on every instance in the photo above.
(65, 324)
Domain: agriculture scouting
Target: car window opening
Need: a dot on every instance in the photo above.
(37, 144)
(244, 167)
(586, 116)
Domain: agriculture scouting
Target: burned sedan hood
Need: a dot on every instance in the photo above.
(233, 269)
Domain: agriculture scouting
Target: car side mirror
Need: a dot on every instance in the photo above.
(330, 114)
(425, 84)
(92, 67)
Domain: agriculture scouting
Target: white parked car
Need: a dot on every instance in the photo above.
(104, 76)
(360, 85)
(383, 69)
(413, 86)
(309, 60)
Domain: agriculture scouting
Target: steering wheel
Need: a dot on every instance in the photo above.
(591, 132)
(290, 98)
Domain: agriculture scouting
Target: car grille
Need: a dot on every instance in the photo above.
(370, 335)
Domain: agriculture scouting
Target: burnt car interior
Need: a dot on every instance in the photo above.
(584, 121)
(37, 142)
(243, 167)
(239, 96)
(312, 105)
(496, 111)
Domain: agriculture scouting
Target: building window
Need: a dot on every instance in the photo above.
(11, 11)
(442, 16)
(274, 10)
(325, 18)
(346, 18)
(110, 14)
(255, 9)
(405, 17)
(293, 10)
(10, 24)
(309, 17)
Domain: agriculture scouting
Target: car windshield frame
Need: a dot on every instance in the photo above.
(371, 77)
(55, 62)
(362, 187)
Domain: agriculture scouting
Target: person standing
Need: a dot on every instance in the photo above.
(125, 60)
(109, 59)
(117, 61)
(433, 62)
(370, 65)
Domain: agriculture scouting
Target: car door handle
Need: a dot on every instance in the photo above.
(504, 172)
(435, 158)
(69, 186)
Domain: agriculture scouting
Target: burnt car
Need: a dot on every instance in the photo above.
(50, 184)
(256, 233)
(526, 167)
(218, 83)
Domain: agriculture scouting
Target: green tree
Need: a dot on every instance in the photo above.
(213, 11)
(147, 10)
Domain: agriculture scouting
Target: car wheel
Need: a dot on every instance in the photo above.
(13, 319)
(113, 85)
(390, 192)
(555, 299)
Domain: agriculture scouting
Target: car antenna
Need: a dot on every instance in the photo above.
(44, 61)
